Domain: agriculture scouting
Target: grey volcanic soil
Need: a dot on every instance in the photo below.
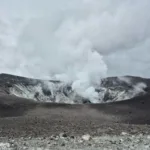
(25, 123)
(85, 142)
(23, 117)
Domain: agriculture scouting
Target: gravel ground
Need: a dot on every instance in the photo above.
(123, 141)
(119, 126)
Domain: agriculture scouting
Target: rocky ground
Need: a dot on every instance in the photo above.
(123, 141)
(37, 126)
(27, 124)
(62, 137)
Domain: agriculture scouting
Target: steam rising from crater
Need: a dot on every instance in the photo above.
(78, 41)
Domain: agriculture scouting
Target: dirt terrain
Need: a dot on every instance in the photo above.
(26, 123)
(22, 117)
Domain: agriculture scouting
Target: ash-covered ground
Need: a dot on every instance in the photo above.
(84, 142)
(28, 122)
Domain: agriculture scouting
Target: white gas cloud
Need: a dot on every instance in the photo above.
(77, 41)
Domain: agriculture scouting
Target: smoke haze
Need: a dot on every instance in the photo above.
(77, 41)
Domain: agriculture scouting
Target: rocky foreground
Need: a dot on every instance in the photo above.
(28, 122)
(85, 142)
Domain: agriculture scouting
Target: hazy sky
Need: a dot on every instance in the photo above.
(61, 31)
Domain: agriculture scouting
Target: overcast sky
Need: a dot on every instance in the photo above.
(118, 30)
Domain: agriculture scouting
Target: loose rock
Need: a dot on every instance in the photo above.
(86, 137)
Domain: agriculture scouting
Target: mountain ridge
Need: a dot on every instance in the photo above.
(110, 89)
